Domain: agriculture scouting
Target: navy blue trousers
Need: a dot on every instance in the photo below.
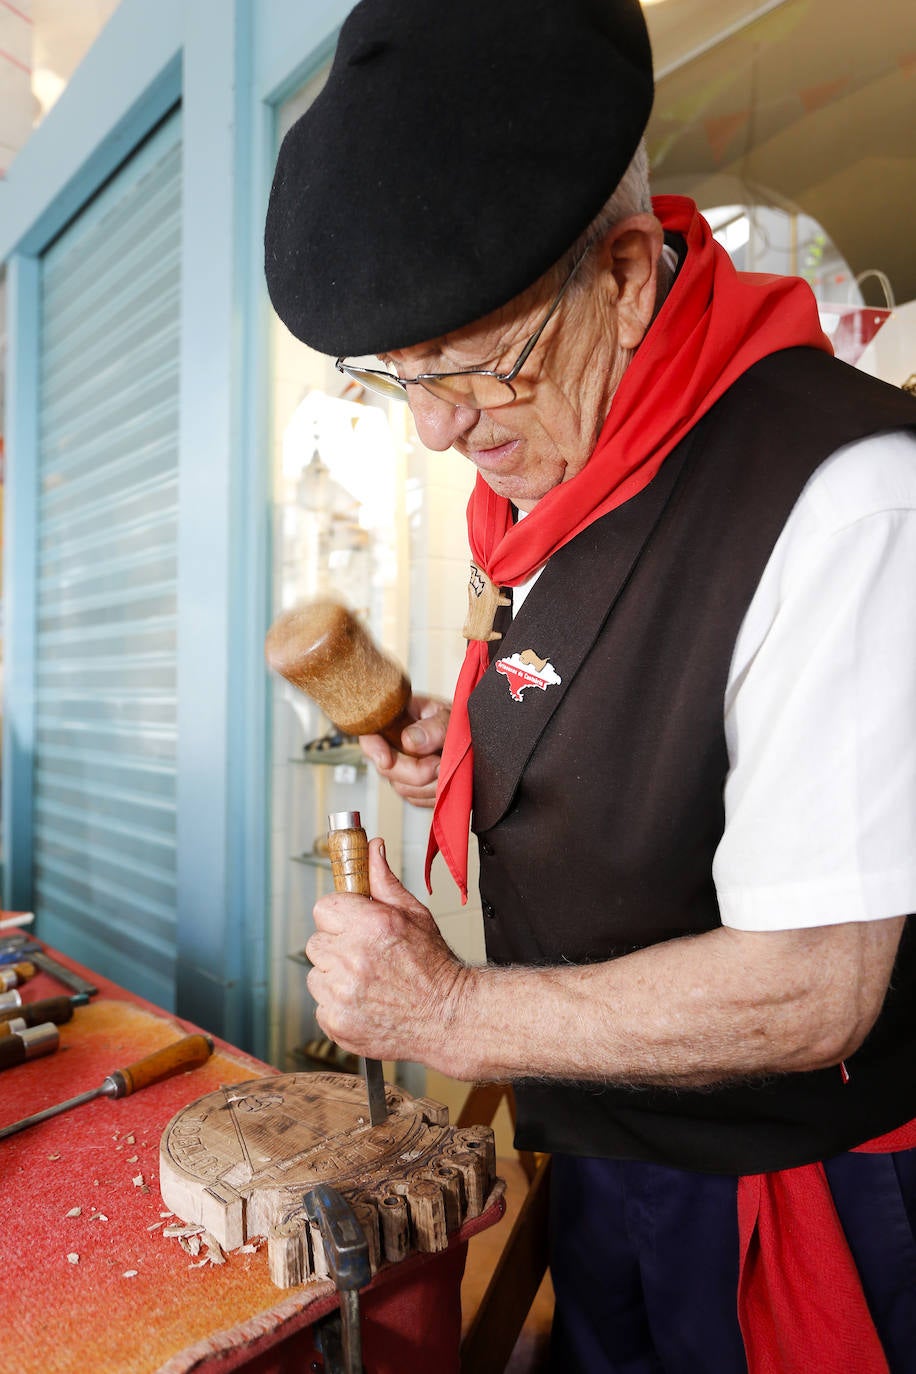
(644, 1261)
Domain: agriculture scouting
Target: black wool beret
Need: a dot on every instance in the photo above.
(455, 153)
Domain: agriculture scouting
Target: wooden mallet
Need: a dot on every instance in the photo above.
(321, 648)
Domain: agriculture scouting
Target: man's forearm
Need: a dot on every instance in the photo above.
(723, 1006)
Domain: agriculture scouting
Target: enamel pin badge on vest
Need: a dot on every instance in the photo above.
(527, 670)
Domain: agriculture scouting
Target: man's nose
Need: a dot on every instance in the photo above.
(438, 422)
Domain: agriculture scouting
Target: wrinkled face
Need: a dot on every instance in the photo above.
(563, 392)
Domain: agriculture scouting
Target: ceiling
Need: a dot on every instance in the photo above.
(41, 44)
(805, 104)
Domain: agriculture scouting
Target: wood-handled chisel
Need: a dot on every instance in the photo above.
(56, 1009)
(348, 848)
(186, 1053)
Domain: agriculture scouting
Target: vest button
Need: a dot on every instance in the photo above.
(488, 910)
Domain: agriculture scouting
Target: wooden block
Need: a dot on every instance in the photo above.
(288, 1252)
(367, 1216)
(448, 1180)
(394, 1226)
(426, 1209)
(480, 1140)
(473, 1169)
(238, 1161)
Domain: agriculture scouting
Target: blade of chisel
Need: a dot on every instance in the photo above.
(375, 1091)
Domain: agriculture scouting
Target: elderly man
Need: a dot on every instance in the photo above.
(686, 747)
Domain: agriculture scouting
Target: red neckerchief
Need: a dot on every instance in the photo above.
(714, 324)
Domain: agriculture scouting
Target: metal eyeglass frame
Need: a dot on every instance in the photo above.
(366, 374)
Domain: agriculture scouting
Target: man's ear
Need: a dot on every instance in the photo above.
(633, 248)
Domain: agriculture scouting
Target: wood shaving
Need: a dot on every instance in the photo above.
(138, 1180)
(130, 1273)
(132, 1159)
(53, 1156)
(166, 1214)
(75, 1212)
(155, 1226)
(98, 1216)
(192, 1239)
(130, 1140)
(73, 1258)
(251, 1249)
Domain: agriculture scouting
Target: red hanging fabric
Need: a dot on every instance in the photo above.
(798, 1289)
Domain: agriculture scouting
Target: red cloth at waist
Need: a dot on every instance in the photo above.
(798, 1288)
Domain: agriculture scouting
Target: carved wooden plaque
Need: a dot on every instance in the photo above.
(239, 1160)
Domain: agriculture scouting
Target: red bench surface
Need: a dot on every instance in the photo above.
(134, 1302)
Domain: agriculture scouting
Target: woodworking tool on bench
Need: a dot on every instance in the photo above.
(347, 1253)
(31, 1042)
(14, 975)
(10, 1001)
(186, 1053)
(19, 945)
(348, 849)
(56, 1009)
(321, 648)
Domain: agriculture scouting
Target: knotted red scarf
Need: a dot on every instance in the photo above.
(714, 324)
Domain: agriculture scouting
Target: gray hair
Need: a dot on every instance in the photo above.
(631, 196)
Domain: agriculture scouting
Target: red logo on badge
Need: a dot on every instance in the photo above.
(527, 670)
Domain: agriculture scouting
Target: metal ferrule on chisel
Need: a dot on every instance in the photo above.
(30, 1043)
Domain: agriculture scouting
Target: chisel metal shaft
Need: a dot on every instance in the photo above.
(348, 848)
(186, 1053)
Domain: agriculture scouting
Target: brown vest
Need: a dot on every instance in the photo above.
(598, 800)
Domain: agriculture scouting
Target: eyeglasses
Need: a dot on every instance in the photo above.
(479, 387)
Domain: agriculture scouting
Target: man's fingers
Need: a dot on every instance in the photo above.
(386, 886)
(378, 751)
(426, 735)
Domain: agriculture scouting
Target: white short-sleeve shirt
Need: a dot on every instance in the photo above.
(820, 706)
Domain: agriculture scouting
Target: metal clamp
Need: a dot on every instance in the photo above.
(346, 1250)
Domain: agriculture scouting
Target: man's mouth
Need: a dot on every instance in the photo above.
(493, 458)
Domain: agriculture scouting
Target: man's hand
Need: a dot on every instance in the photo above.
(414, 772)
(386, 984)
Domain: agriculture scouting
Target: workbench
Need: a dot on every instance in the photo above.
(89, 1280)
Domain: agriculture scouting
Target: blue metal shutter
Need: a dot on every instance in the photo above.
(106, 733)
